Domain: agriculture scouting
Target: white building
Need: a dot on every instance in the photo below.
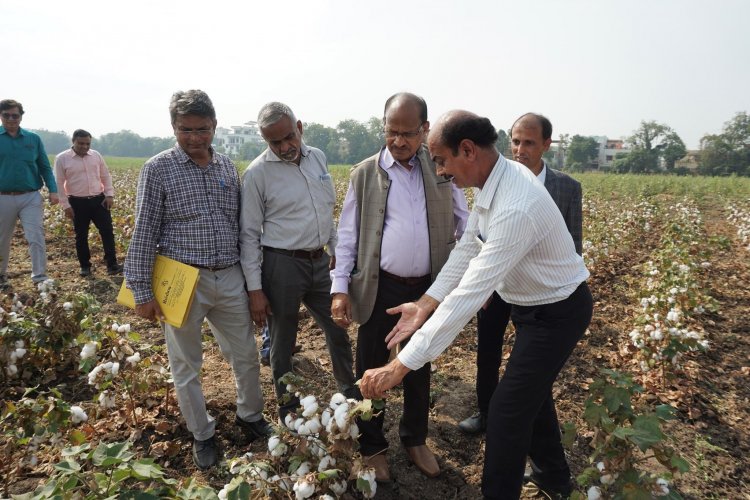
(608, 151)
(233, 138)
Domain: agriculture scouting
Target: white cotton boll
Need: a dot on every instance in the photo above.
(326, 497)
(115, 326)
(280, 450)
(299, 423)
(307, 400)
(594, 493)
(692, 335)
(325, 417)
(303, 488)
(68, 306)
(704, 344)
(12, 369)
(336, 400)
(661, 488)
(326, 463)
(106, 400)
(341, 414)
(273, 442)
(311, 409)
(369, 476)
(123, 329)
(634, 335)
(303, 468)
(115, 368)
(607, 479)
(77, 415)
(684, 269)
(13, 357)
(330, 426)
(673, 315)
(339, 487)
(313, 426)
(134, 359)
(354, 430)
(644, 366)
(600, 466)
(648, 328)
(88, 350)
(289, 421)
(19, 344)
(290, 388)
(705, 265)
(223, 492)
(657, 334)
(20, 352)
(94, 373)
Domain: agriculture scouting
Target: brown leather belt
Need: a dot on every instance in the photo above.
(100, 195)
(406, 281)
(214, 268)
(299, 254)
(16, 193)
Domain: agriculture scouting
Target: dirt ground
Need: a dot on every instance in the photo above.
(711, 433)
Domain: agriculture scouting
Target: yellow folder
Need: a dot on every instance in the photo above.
(174, 287)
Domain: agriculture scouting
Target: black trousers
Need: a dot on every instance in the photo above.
(373, 353)
(491, 325)
(86, 211)
(522, 420)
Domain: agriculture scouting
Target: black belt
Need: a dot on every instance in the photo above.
(16, 193)
(100, 195)
(300, 254)
(212, 268)
(407, 281)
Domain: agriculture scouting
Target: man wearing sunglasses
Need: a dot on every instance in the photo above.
(24, 167)
(398, 224)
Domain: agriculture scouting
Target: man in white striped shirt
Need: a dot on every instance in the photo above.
(518, 245)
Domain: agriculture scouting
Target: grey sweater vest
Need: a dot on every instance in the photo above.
(371, 185)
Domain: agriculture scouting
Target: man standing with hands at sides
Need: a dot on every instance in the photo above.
(286, 227)
(395, 202)
(187, 209)
(530, 138)
(24, 166)
(516, 243)
(87, 196)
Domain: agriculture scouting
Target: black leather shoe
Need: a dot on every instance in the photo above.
(85, 271)
(254, 430)
(553, 492)
(205, 453)
(475, 424)
(116, 269)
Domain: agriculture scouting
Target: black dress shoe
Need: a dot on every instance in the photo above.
(116, 269)
(254, 430)
(556, 492)
(474, 424)
(85, 271)
(205, 453)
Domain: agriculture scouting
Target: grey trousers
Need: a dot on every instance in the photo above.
(29, 208)
(220, 298)
(287, 282)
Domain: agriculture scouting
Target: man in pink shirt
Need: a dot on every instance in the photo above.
(87, 195)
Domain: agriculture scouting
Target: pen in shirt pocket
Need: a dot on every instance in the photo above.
(325, 177)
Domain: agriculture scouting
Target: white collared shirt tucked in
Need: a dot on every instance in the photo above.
(285, 206)
(515, 243)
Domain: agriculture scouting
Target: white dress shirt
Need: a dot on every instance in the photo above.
(516, 243)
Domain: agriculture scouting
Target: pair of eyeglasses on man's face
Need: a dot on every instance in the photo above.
(392, 134)
(11, 116)
(201, 132)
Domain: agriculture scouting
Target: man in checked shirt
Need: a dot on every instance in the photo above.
(187, 208)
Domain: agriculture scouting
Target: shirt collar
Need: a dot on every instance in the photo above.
(271, 156)
(72, 152)
(543, 174)
(387, 161)
(3, 131)
(487, 193)
(185, 158)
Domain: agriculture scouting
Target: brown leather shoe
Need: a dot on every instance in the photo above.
(424, 459)
(380, 464)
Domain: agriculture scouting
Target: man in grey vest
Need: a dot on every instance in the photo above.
(530, 136)
(398, 224)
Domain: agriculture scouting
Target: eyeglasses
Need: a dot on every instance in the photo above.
(11, 116)
(392, 134)
(201, 132)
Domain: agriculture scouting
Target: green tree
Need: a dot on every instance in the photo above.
(503, 142)
(358, 141)
(729, 152)
(656, 142)
(54, 142)
(580, 152)
(251, 150)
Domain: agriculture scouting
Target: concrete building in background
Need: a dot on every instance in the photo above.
(232, 139)
(608, 151)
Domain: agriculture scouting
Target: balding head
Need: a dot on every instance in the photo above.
(533, 120)
(457, 125)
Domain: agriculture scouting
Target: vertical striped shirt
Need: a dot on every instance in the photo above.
(516, 243)
(285, 206)
(185, 212)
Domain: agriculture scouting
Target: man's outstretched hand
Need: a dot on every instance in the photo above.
(376, 381)
(413, 316)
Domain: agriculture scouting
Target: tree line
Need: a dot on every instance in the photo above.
(653, 147)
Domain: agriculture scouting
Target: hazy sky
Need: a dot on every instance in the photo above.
(593, 67)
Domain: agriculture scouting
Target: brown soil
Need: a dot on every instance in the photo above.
(711, 432)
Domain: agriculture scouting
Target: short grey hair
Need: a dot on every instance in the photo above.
(272, 112)
(191, 102)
